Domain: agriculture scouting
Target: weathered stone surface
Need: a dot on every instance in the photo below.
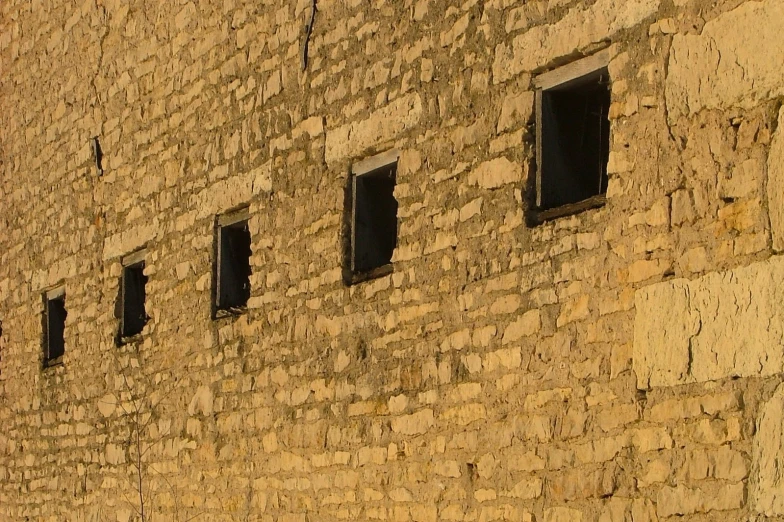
(775, 185)
(682, 500)
(767, 497)
(562, 514)
(579, 28)
(202, 402)
(515, 111)
(129, 240)
(415, 423)
(721, 325)
(495, 173)
(733, 62)
(356, 138)
(487, 377)
(234, 191)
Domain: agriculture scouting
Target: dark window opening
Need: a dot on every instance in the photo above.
(575, 140)
(233, 288)
(134, 294)
(374, 232)
(54, 334)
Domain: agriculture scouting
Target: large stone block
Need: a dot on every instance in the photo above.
(578, 29)
(775, 185)
(721, 325)
(356, 138)
(768, 496)
(735, 61)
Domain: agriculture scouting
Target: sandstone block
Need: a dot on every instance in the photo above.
(415, 423)
(202, 402)
(527, 324)
(578, 29)
(720, 325)
(768, 456)
(682, 500)
(562, 514)
(733, 62)
(775, 185)
(495, 173)
(515, 111)
(356, 138)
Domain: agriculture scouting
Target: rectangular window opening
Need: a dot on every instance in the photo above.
(134, 295)
(233, 263)
(374, 217)
(573, 136)
(54, 326)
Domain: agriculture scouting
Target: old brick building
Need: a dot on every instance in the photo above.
(395, 260)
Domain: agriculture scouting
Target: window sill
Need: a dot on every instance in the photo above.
(130, 340)
(234, 311)
(375, 273)
(537, 217)
(53, 363)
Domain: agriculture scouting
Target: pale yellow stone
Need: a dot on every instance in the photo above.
(353, 139)
(495, 173)
(580, 27)
(732, 62)
(527, 324)
(720, 325)
(413, 424)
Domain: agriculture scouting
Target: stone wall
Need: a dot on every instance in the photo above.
(621, 364)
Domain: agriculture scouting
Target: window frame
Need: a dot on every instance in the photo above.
(56, 293)
(368, 166)
(550, 80)
(128, 262)
(226, 220)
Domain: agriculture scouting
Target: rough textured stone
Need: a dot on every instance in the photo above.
(495, 173)
(487, 377)
(353, 139)
(768, 495)
(775, 185)
(579, 28)
(732, 62)
(721, 325)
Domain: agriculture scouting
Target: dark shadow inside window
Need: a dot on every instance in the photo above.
(134, 295)
(234, 266)
(575, 140)
(55, 329)
(375, 219)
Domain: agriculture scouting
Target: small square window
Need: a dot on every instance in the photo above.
(374, 216)
(54, 326)
(133, 294)
(573, 137)
(232, 271)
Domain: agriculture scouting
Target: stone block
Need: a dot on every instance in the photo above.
(768, 457)
(359, 137)
(527, 324)
(775, 185)
(721, 325)
(574, 32)
(515, 111)
(414, 424)
(562, 514)
(495, 173)
(733, 62)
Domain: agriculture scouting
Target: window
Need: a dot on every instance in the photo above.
(573, 137)
(54, 326)
(133, 295)
(232, 271)
(374, 216)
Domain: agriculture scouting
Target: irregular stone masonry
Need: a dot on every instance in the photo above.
(619, 364)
